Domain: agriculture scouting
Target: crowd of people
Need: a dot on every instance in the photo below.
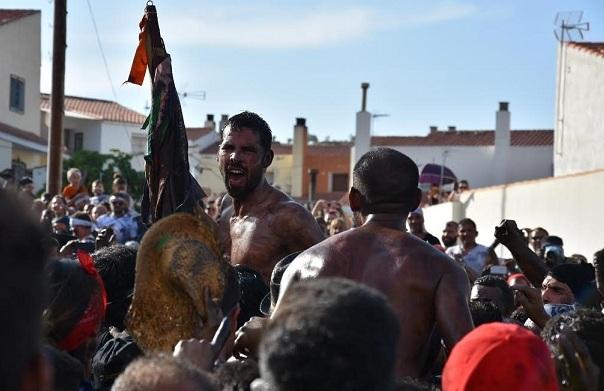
(350, 294)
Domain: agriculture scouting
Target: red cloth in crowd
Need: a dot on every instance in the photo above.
(89, 324)
(500, 356)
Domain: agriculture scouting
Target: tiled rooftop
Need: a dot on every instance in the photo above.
(195, 133)
(22, 134)
(596, 48)
(519, 138)
(98, 109)
(8, 15)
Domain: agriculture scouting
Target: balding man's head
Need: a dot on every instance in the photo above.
(163, 373)
(386, 181)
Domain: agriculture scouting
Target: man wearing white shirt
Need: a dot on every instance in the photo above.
(474, 257)
(124, 226)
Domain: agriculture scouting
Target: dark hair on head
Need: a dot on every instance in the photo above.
(386, 180)
(254, 122)
(452, 223)
(330, 334)
(22, 289)
(507, 296)
(149, 372)
(116, 265)
(237, 375)
(71, 289)
(468, 221)
(588, 324)
(484, 312)
(599, 255)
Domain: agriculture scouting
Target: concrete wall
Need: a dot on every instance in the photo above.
(20, 43)
(567, 206)
(579, 136)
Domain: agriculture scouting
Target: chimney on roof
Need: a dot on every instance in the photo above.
(452, 129)
(362, 136)
(298, 152)
(503, 137)
(433, 129)
(210, 122)
(223, 120)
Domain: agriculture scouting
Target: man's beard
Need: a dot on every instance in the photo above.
(448, 242)
(241, 193)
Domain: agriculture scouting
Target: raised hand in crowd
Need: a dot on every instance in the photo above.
(512, 238)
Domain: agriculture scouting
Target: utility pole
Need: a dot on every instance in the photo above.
(54, 163)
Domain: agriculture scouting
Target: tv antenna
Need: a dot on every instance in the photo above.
(569, 26)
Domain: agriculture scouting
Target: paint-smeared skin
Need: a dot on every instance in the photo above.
(423, 286)
(270, 230)
(178, 258)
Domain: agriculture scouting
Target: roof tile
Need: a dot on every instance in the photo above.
(195, 133)
(97, 108)
(468, 138)
(8, 15)
(596, 48)
(22, 134)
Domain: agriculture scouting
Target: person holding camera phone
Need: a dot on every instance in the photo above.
(81, 225)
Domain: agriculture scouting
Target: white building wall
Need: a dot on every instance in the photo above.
(579, 136)
(527, 163)
(567, 206)
(6, 153)
(20, 46)
(471, 163)
(476, 164)
(206, 172)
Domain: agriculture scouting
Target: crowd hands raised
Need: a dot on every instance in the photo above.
(339, 296)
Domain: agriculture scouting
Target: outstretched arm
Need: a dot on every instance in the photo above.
(531, 265)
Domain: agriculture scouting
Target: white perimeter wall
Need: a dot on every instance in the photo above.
(20, 51)
(569, 207)
(579, 113)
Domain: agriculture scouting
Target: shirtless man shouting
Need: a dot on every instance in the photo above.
(424, 287)
(266, 224)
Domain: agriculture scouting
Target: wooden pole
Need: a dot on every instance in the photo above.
(55, 140)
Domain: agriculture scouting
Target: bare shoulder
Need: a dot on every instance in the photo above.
(427, 254)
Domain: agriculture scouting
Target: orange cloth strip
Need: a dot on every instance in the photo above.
(140, 61)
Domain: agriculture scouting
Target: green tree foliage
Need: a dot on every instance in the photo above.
(101, 166)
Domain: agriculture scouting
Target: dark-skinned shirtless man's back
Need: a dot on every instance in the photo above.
(424, 287)
(264, 224)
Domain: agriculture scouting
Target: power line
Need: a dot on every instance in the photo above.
(98, 41)
(114, 93)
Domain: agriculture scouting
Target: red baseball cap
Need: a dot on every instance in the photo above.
(500, 356)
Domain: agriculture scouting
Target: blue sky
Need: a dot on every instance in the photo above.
(429, 63)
